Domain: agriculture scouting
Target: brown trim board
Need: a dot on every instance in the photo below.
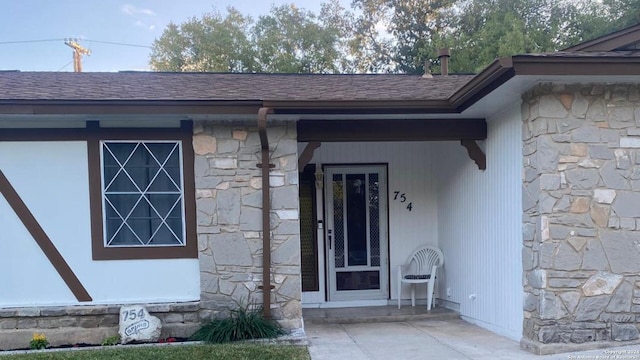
(99, 251)
(391, 130)
(611, 41)
(41, 238)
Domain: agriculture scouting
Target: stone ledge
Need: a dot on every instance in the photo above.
(557, 348)
(84, 310)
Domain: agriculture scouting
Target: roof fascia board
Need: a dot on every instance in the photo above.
(113, 107)
(494, 75)
(611, 41)
(576, 65)
(360, 107)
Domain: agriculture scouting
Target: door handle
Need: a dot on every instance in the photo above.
(329, 238)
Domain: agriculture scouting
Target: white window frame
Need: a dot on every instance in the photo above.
(103, 193)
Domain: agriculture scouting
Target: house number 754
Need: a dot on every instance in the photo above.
(402, 197)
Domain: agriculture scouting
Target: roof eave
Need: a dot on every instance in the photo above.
(133, 107)
(491, 77)
(359, 106)
(611, 41)
(503, 69)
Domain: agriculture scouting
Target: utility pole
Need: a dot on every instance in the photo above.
(78, 51)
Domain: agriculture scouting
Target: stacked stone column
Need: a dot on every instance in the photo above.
(581, 202)
(229, 215)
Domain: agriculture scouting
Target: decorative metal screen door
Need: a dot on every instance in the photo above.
(356, 232)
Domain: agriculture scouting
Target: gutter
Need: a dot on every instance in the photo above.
(266, 207)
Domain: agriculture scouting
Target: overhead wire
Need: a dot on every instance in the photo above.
(28, 41)
(69, 63)
(62, 39)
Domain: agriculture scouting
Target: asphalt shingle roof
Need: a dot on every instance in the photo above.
(15, 85)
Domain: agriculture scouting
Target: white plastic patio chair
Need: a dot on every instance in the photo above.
(419, 269)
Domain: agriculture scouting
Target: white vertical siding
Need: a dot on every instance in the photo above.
(480, 226)
(409, 172)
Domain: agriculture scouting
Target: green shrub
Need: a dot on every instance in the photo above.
(242, 324)
(111, 340)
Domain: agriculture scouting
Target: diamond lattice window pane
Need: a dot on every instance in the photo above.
(374, 219)
(143, 200)
(338, 220)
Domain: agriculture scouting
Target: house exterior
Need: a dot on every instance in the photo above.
(164, 188)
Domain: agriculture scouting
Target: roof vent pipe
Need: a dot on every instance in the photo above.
(427, 70)
(443, 55)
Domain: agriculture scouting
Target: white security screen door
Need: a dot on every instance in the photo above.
(356, 232)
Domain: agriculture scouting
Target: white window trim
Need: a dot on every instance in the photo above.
(183, 240)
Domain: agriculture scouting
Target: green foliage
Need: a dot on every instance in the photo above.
(111, 340)
(242, 324)
(288, 39)
(38, 342)
(191, 352)
(385, 35)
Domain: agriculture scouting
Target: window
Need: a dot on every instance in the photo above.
(142, 193)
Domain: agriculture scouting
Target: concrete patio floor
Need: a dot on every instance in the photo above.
(452, 339)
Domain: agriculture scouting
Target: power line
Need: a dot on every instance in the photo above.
(69, 63)
(28, 41)
(50, 40)
(116, 43)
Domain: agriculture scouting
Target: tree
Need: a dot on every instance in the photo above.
(486, 29)
(591, 19)
(400, 35)
(385, 36)
(288, 39)
(211, 43)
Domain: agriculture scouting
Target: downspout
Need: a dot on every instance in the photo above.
(266, 207)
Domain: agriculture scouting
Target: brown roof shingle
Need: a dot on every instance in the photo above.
(15, 85)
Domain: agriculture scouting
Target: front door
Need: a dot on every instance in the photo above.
(356, 232)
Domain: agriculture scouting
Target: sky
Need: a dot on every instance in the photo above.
(98, 22)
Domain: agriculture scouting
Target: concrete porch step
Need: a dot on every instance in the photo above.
(370, 314)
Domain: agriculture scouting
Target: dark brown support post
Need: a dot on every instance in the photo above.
(307, 154)
(41, 238)
(475, 153)
(266, 207)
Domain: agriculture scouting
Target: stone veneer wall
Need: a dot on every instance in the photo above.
(88, 324)
(581, 202)
(229, 215)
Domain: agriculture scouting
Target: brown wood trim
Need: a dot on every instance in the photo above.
(99, 251)
(576, 65)
(494, 75)
(391, 130)
(307, 154)
(43, 241)
(611, 41)
(475, 153)
(132, 107)
(83, 134)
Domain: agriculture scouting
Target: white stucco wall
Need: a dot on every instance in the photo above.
(480, 226)
(52, 180)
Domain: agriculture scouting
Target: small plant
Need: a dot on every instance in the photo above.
(38, 341)
(242, 324)
(111, 340)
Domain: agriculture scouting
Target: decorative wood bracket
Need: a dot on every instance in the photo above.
(307, 154)
(475, 153)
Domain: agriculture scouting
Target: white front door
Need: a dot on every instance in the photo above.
(357, 232)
